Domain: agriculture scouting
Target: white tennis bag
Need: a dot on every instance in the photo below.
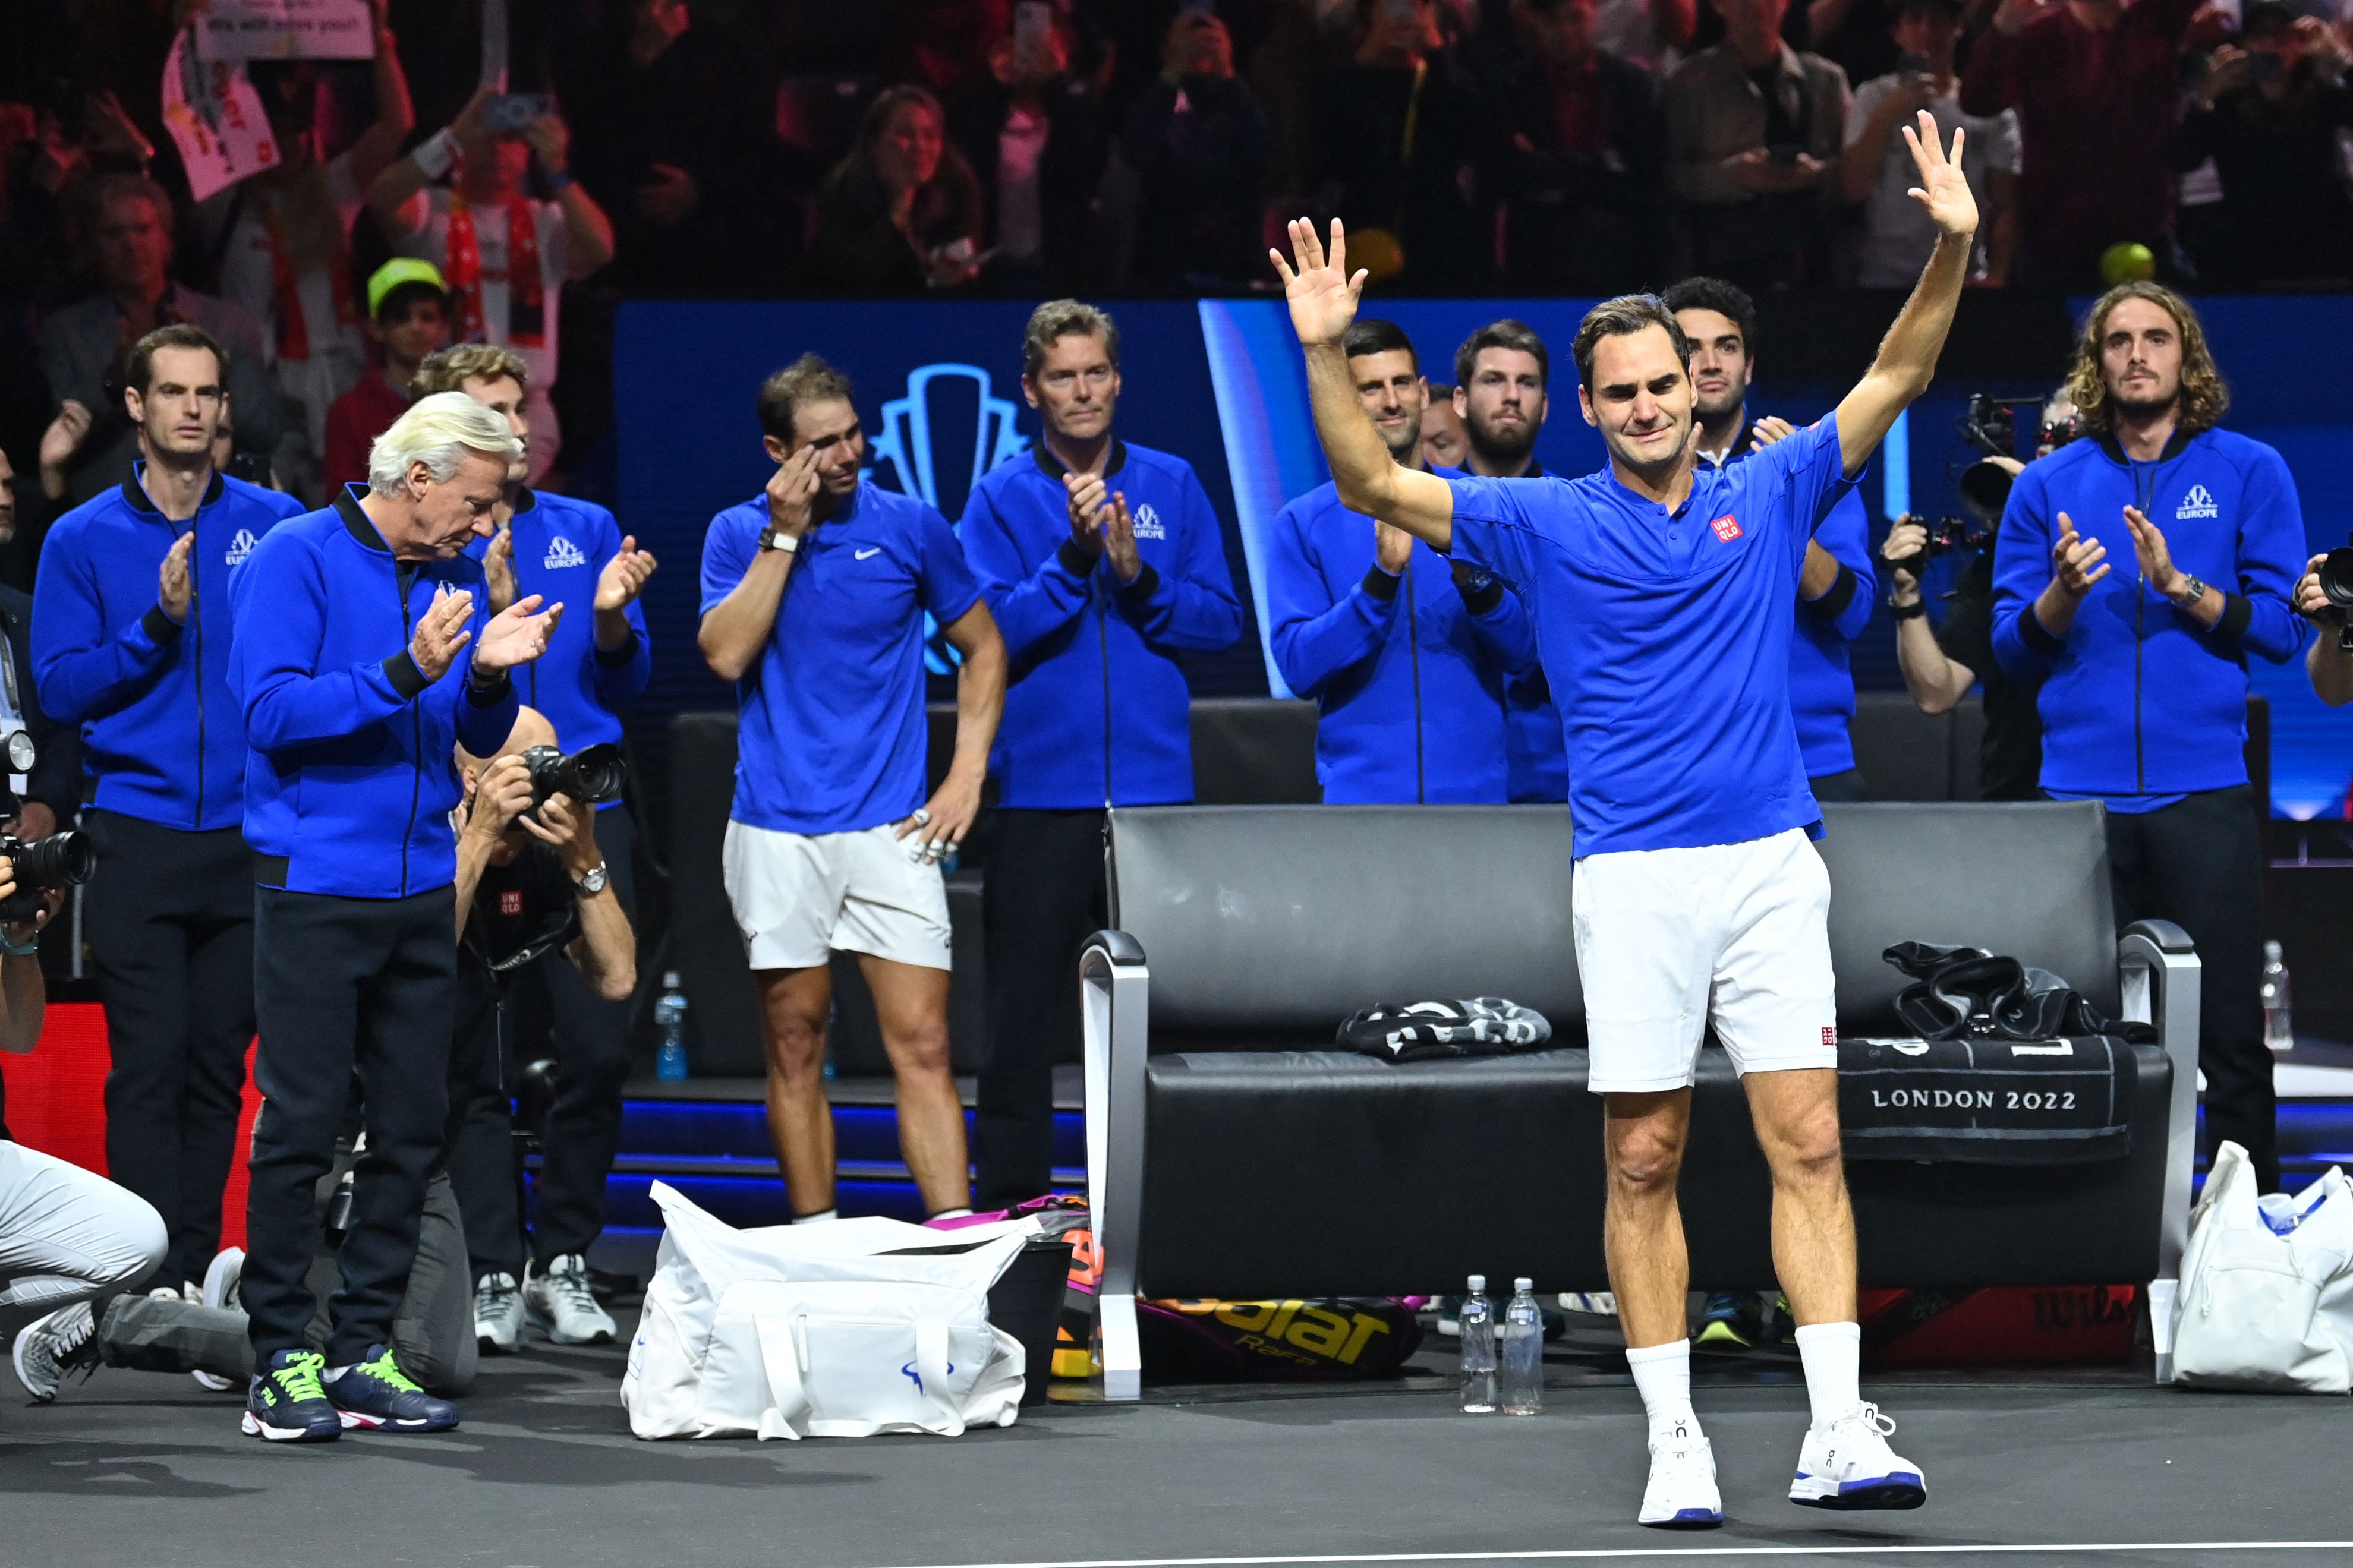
(810, 1331)
(2267, 1285)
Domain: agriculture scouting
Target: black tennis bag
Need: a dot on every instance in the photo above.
(2009, 1066)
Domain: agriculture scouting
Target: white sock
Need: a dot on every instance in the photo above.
(815, 1218)
(1662, 1375)
(1832, 1354)
(333, 1372)
(953, 1214)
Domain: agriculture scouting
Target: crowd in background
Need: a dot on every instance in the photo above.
(1029, 147)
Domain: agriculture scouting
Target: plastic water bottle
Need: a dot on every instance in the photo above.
(2279, 1026)
(669, 1017)
(1478, 1320)
(1522, 1351)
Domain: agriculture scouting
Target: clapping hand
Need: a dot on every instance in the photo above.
(440, 632)
(2076, 559)
(516, 635)
(624, 577)
(498, 569)
(173, 590)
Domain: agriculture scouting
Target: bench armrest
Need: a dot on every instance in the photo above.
(1115, 1015)
(2161, 980)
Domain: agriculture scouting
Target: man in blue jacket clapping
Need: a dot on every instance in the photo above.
(1405, 652)
(1101, 562)
(132, 638)
(2133, 575)
(365, 655)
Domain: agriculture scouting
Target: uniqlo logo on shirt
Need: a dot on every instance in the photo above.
(511, 903)
(1726, 528)
(1829, 1037)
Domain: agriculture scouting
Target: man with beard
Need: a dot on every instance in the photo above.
(1404, 652)
(2144, 669)
(1835, 589)
(1501, 373)
(1662, 592)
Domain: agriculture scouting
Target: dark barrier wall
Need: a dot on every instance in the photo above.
(1219, 382)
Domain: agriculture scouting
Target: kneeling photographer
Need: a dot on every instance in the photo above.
(534, 892)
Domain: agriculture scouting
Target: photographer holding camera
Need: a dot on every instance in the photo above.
(2134, 574)
(532, 890)
(1941, 663)
(131, 643)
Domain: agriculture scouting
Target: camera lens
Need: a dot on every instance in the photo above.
(2337, 577)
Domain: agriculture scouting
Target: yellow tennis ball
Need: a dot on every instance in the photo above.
(2129, 262)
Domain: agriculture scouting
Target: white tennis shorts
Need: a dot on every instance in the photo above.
(800, 896)
(1670, 941)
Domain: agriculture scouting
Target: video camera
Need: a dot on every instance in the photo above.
(591, 776)
(1991, 426)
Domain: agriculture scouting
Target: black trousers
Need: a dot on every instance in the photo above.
(344, 983)
(2200, 865)
(548, 1009)
(169, 917)
(1044, 896)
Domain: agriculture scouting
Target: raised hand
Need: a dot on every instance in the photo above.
(64, 437)
(172, 589)
(1942, 189)
(792, 494)
(2157, 568)
(2076, 559)
(498, 569)
(517, 635)
(1323, 294)
(624, 577)
(440, 632)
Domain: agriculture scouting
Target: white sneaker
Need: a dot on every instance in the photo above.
(1847, 1464)
(498, 1314)
(559, 1301)
(1682, 1494)
(222, 1277)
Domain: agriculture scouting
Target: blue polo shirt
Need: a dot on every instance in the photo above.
(1665, 636)
(832, 735)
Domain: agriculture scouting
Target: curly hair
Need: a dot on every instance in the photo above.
(2203, 394)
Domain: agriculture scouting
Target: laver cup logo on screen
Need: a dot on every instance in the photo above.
(936, 442)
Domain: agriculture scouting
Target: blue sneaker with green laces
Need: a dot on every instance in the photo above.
(376, 1394)
(285, 1403)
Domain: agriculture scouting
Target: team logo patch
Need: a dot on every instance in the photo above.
(563, 552)
(2199, 502)
(241, 545)
(1830, 1036)
(1148, 524)
(510, 905)
(1726, 527)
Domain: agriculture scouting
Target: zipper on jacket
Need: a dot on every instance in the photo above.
(197, 624)
(417, 731)
(1413, 658)
(1103, 642)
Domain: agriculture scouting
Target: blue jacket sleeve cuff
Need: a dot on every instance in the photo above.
(2038, 636)
(1832, 604)
(1147, 583)
(488, 696)
(1379, 586)
(1075, 561)
(2238, 610)
(160, 627)
(616, 657)
(1482, 594)
(406, 678)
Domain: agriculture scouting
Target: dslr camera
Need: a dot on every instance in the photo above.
(2336, 583)
(65, 859)
(591, 776)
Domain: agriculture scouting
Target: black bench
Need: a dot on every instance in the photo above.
(1232, 1151)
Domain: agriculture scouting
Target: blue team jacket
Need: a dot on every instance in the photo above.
(1099, 712)
(2137, 699)
(561, 548)
(351, 778)
(1407, 672)
(161, 731)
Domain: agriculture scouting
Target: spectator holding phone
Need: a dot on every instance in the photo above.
(505, 255)
(902, 214)
(1036, 134)
(1199, 142)
(2269, 113)
(1876, 170)
(1753, 130)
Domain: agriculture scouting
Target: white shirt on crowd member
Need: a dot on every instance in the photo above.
(1897, 232)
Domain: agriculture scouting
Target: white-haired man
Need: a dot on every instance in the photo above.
(348, 787)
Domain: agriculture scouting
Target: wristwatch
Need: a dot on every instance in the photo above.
(775, 538)
(594, 883)
(2192, 589)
